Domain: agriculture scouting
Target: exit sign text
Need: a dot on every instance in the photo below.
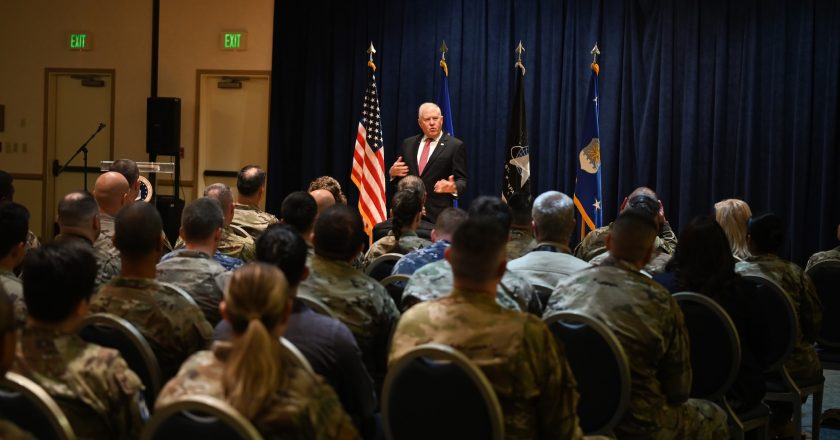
(79, 41)
(234, 40)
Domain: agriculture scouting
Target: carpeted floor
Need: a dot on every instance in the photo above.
(831, 399)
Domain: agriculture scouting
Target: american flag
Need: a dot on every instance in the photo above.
(368, 160)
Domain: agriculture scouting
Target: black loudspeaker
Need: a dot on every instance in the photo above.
(170, 210)
(163, 126)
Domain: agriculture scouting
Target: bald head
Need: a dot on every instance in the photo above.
(111, 192)
(323, 198)
(554, 217)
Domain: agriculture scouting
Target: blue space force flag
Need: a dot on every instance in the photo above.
(443, 100)
(588, 181)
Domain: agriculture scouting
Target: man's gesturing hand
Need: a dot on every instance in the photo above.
(399, 168)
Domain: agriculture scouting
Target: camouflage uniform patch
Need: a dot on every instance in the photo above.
(251, 219)
(655, 266)
(358, 301)
(819, 257)
(521, 242)
(516, 351)
(199, 275)
(14, 288)
(595, 242)
(651, 328)
(304, 407)
(409, 241)
(174, 327)
(803, 362)
(434, 280)
(93, 385)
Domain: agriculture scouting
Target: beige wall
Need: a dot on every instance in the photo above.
(33, 33)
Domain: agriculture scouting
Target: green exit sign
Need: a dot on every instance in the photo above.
(234, 40)
(79, 41)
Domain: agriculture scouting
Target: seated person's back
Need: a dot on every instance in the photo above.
(193, 268)
(358, 300)
(650, 326)
(174, 327)
(93, 385)
(252, 373)
(516, 351)
(407, 208)
(765, 235)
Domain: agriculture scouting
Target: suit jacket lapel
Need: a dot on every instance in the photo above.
(441, 146)
(411, 160)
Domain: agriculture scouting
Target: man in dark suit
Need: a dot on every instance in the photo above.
(439, 159)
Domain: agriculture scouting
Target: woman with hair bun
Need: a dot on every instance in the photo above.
(251, 372)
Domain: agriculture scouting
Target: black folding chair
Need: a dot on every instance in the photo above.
(600, 366)
(382, 265)
(30, 407)
(200, 417)
(435, 392)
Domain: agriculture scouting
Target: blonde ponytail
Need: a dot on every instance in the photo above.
(256, 299)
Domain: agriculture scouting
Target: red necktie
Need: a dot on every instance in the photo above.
(424, 157)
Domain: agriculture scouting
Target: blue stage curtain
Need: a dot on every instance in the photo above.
(700, 99)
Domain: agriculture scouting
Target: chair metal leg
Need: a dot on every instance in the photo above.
(816, 414)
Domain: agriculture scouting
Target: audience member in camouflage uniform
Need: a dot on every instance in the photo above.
(650, 326)
(111, 192)
(174, 326)
(14, 224)
(253, 374)
(765, 237)
(192, 268)
(357, 300)
(424, 228)
(829, 255)
(655, 266)
(435, 279)
(8, 341)
(594, 242)
(553, 215)
(515, 351)
(93, 385)
(521, 235)
(78, 220)
(406, 210)
(235, 242)
(7, 194)
(447, 222)
(250, 188)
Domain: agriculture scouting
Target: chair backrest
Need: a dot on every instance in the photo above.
(382, 265)
(715, 346)
(434, 391)
(601, 369)
(316, 304)
(180, 291)
(395, 284)
(780, 320)
(200, 417)
(30, 407)
(826, 278)
(114, 332)
(295, 355)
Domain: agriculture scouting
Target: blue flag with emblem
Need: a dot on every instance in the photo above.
(443, 94)
(588, 181)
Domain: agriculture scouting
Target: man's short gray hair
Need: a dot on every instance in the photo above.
(220, 192)
(554, 216)
(426, 105)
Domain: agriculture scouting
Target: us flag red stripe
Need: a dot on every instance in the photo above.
(368, 160)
